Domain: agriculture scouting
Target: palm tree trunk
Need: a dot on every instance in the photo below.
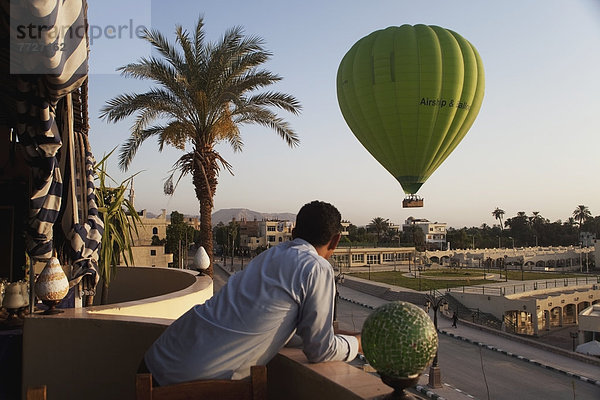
(206, 230)
(205, 185)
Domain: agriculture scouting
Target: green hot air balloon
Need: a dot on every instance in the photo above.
(410, 94)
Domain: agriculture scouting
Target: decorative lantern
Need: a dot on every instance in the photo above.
(52, 285)
(201, 259)
(399, 341)
(13, 300)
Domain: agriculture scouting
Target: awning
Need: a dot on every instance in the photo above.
(590, 348)
(48, 90)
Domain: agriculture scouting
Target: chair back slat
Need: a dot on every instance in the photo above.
(254, 388)
(36, 393)
(259, 382)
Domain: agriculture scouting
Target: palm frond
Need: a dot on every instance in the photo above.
(124, 105)
(175, 134)
(183, 38)
(224, 163)
(267, 118)
(235, 140)
(199, 38)
(164, 47)
(172, 79)
(135, 140)
(275, 99)
(185, 165)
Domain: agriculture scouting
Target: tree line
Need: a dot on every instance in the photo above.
(521, 230)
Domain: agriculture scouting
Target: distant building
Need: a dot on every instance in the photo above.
(151, 226)
(589, 324)
(265, 233)
(435, 232)
(587, 239)
(348, 257)
(345, 225)
(194, 222)
(144, 253)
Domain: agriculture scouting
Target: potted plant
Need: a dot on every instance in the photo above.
(120, 222)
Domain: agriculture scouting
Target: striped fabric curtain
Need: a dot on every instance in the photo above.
(44, 87)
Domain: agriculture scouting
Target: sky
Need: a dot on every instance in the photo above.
(535, 145)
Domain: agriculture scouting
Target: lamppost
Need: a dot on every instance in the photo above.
(573, 335)
(581, 257)
(513, 242)
(499, 245)
(522, 271)
(420, 268)
(338, 279)
(536, 242)
(587, 262)
(434, 300)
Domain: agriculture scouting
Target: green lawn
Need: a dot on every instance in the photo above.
(462, 277)
(454, 272)
(397, 279)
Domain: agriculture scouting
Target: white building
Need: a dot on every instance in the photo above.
(435, 232)
(265, 233)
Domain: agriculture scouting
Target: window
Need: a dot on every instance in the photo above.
(271, 228)
(373, 259)
(388, 257)
(271, 238)
(280, 239)
(358, 258)
(340, 258)
(152, 252)
(155, 231)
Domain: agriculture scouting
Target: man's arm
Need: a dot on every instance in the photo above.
(350, 333)
(315, 324)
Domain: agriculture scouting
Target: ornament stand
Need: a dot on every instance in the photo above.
(52, 310)
(51, 286)
(399, 385)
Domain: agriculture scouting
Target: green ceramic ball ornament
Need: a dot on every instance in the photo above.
(399, 340)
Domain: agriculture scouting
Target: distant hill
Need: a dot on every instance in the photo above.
(226, 215)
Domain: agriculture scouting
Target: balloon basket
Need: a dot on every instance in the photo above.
(412, 202)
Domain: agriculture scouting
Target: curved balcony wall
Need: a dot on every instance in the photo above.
(94, 352)
(154, 292)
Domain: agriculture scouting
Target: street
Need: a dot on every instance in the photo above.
(463, 366)
(467, 367)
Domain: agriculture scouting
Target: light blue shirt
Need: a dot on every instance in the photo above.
(285, 290)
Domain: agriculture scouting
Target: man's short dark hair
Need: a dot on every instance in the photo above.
(317, 222)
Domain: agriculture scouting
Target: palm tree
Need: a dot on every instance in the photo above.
(498, 213)
(380, 225)
(205, 92)
(581, 214)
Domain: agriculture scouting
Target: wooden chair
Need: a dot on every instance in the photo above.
(36, 393)
(218, 389)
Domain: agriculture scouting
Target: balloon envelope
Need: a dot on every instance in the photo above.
(410, 94)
